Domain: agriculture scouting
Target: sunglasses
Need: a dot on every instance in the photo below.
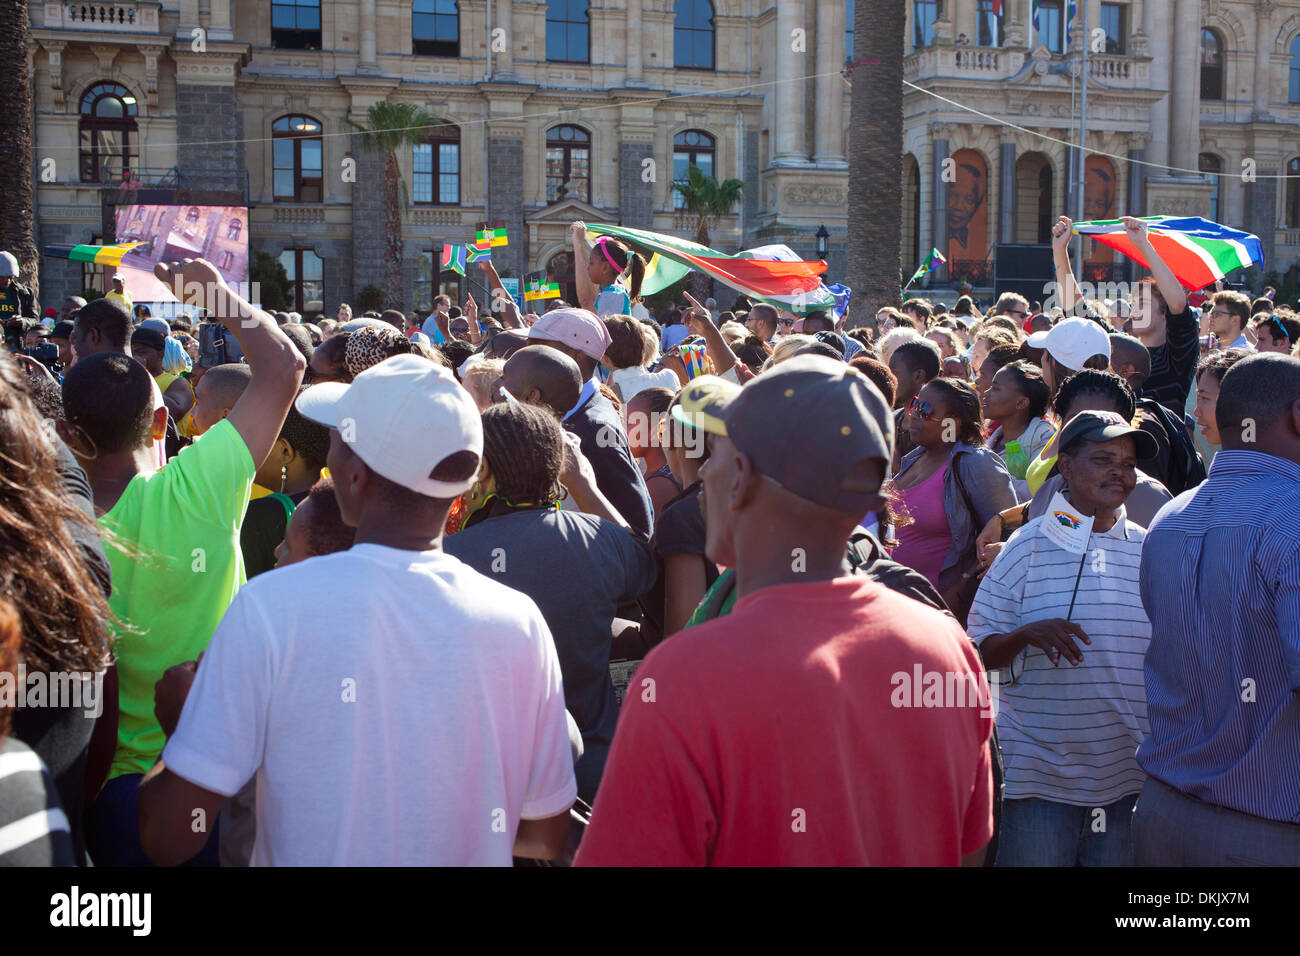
(922, 410)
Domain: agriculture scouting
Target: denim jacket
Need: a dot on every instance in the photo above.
(989, 485)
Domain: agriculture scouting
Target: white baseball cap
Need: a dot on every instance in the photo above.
(403, 418)
(576, 328)
(1072, 342)
(8, 265)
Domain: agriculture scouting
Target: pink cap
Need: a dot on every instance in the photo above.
(576, 328)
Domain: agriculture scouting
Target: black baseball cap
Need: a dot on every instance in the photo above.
(62, 330)
(1106, 426)
(150, 338)
(807, 423)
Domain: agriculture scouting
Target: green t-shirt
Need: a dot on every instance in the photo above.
(183, 523)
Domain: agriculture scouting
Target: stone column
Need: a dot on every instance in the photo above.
(1263, 47)
(828, 141)
(188, 20)
(503, 17)
(1156, 27)
(1007, 193)
(1185, 97)
(369, 61)
(1137, 196)
(635, 33)
(964, 21)
(939, 208)
(788, 94)
(219, 27)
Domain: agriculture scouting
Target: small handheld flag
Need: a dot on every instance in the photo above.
(542, 290)
(494, 237)
(1198, 252)
(453, 258)
(98, 255)
(478, 252)
(696, 359)
(933, 261)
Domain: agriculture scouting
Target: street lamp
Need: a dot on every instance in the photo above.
(822, 236)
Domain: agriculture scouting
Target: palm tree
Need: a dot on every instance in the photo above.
(708, 200)
(388, 128)
(876, 155)
(17, 202)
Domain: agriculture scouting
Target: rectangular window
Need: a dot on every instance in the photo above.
(435, 28)
(990, 23)
(1114, 20)
(295, 24)
(924, 14)
(436, 173)
(1049, 25)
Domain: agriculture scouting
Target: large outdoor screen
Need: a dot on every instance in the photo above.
(216, 233)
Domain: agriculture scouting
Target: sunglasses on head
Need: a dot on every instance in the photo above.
(922, 410)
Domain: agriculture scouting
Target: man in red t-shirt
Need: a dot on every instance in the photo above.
(825, 720)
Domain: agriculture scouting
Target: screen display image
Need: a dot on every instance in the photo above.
(216, 233)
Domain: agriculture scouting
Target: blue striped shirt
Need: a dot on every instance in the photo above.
(1221, 584)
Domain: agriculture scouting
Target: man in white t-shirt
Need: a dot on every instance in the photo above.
(395, 706)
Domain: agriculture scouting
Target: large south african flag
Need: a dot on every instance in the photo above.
(1199, 252)
(794, 286)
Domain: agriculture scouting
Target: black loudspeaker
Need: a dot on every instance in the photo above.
(1025, 268)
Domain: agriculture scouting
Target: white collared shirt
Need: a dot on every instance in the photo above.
(584, 396)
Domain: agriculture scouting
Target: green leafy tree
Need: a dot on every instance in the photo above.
(388, 128)
(708, 201)
(273, 286)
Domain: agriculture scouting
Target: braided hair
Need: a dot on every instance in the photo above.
(524, 448)
(1091, 381)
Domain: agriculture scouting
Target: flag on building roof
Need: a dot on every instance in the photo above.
(453, 258)
(98, 255)
(1198, 251)
(478, 251)
(494, 237)
(933, 261)
(793, 286)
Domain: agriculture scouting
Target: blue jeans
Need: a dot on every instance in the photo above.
(113, 828)
(1042, 833)
(1171, 828)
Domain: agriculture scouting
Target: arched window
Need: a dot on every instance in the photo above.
(296, 160)
(568, 31)
(693, 34)
(234, 229)
(1209, 163)
(1293, 77)
(436, 164)
(1211, 65)
(108, 112)
(1293, 194)
(435, 28)
(568, 164)
(295, 24)
(691, 147)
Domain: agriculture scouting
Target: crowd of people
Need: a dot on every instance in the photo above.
(1006, 585)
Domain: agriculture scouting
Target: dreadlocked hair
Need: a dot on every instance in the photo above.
(628, 262)
(62, 612)
(524, 447)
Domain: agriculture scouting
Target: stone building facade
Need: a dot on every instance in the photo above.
(555, 110)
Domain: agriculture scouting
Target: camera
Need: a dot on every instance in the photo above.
(47, 353)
